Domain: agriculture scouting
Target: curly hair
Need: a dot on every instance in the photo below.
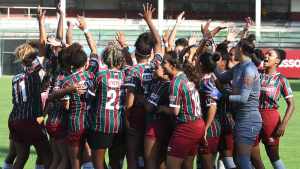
(113, 55)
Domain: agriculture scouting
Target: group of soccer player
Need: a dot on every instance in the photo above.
(159, 106)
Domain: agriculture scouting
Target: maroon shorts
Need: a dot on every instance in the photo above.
(209, 146)
(76, 138)
(137, 118)
(271, 120)
(185, 139)
(28, 132)
(56, 130)
(226, 138)
(160, 130)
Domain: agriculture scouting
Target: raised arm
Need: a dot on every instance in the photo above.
(147, 15)
(42, 31)
(60, 26)
(69, 34)
(83, 26)
(172, 36)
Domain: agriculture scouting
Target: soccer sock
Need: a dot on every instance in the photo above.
(37, 166)
(244, 161)
(87, 165)
(278, 164)
(228, 162)
(7, 165)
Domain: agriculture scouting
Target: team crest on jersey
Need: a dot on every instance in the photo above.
(114, 83)
(268, 89)
(190, 85)
(147, 76)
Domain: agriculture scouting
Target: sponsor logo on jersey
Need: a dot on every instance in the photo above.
(114, 83)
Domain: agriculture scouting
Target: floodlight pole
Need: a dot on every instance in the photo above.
(258, 18)
(160, 16)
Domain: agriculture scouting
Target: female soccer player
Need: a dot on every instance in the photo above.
(245, 98)
(209, 96)
(107, 112)
(138, 83)
(273, 86)
(185, 105)
(158, 126)
(25, 120)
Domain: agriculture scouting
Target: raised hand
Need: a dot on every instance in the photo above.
(192, 39)
(232, 34)
(121, 39)
(58, 9)
(166, 36)
(248, 23)
(180, 17)
(204, 29)
(70, 24)
(147, 12)
(81, 23)
(41, 14)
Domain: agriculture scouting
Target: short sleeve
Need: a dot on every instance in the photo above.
(285, 88)
(175, 89)
(131, 81)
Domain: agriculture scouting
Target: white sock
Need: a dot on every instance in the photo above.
(87, 165)
(141, 162)
(228, 162)
(278, 164)
(220, 165)
(37, 166)
(7, 166)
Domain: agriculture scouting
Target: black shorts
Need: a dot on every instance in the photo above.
(98, 140)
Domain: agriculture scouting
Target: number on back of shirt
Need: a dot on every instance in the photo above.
(111, 100)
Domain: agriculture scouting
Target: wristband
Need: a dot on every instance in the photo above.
(86, 30)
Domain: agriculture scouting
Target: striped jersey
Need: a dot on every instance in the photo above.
(140, 76)
(139, 79)
(26, 93)
(160, 92)
(56, 111)
(272, 88)
(107, 113)
(184, 95)
(210, 95)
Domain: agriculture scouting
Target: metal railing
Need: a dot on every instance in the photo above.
(26, 8)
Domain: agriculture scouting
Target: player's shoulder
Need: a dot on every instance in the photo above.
(18, 77)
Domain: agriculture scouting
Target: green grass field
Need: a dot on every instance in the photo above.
(290, 150)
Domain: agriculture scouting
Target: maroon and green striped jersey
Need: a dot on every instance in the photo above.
(107, 115)
(272, 88)
(184, 95)
(160, 92)
(210, 95)
(77, 114)
(26, 93)
(55, 109)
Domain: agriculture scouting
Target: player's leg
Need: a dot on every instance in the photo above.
(273, 154)
(133, 148)
(10, 157)
(256, 158)
(22, 155)
(63, 152)
(174, 162)
(86, 156)
(188, 162)
(74, 155)
(151, 152)
(117, 151)
(55, 155)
